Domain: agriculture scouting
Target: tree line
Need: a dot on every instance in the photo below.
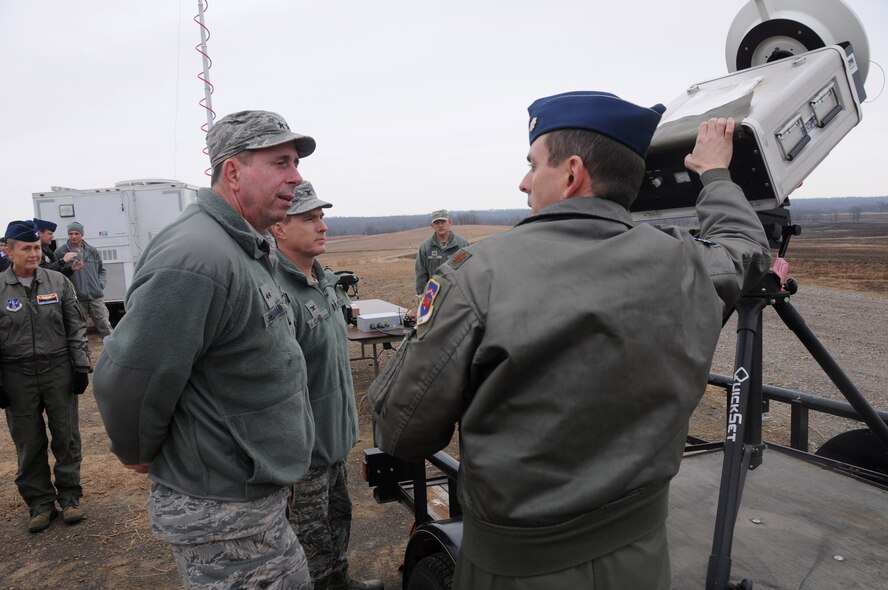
(368, 226)
(814, 209)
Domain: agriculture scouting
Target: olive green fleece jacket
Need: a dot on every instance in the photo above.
(203, 376)
(320, 330)
(432, 254)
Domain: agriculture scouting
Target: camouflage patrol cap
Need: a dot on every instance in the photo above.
(306, 200)
(440, 214)
(252, 130)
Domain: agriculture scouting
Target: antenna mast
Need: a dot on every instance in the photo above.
(204, 76)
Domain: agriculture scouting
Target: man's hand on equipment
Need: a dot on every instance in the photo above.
(714, 146)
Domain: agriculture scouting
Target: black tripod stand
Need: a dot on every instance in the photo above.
(743, 448)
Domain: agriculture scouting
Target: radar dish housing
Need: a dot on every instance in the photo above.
(795, 91)
(767, 30)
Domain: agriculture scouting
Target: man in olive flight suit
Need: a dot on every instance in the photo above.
(320, 509)
(44, 364)
(572, 350)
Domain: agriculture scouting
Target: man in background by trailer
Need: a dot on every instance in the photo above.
(89, 281)
(572, 351)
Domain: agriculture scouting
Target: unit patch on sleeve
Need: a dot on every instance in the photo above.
(435, 291)
(427, 305)
(47, 299)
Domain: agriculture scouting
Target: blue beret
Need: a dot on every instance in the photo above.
(43, 224)
(23, 231)
(601, 112)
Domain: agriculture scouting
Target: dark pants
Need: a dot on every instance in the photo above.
(29, 397)
(642, 564)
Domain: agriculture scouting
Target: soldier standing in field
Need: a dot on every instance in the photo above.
(440, 246)
(320, 508)
(44, 365)
(202, 385)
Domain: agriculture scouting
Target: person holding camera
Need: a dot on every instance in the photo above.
(572, 351)
(89, 277)
(44, 365)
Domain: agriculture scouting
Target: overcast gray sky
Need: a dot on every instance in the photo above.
(414, 105)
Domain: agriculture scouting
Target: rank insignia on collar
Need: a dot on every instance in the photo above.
(47, 299)
(458, 258)
(13, 305)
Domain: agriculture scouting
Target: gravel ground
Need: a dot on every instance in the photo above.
(851, 326)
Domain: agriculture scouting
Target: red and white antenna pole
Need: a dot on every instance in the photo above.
(204, 76)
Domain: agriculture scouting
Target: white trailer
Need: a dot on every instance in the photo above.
(119, 222)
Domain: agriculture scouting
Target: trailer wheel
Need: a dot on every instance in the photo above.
(434, 572)
(857, 447)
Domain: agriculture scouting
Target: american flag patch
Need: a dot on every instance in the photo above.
(47, 299)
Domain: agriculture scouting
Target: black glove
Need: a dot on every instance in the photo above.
(79, 383)
(4, 401)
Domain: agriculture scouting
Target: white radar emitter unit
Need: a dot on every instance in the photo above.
(799, 68)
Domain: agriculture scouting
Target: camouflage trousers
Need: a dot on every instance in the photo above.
(226, 545)
(321, 514)
(96, 310)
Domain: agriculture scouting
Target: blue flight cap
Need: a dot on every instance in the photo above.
(23, 231)
(601, 112)
(43, 224)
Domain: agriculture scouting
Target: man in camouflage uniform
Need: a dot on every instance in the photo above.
(440, 246)
(320, 509)
(203, 385)
(44, 364)
(572, 351)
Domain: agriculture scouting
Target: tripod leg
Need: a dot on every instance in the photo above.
(794, 321)
(744, 402)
